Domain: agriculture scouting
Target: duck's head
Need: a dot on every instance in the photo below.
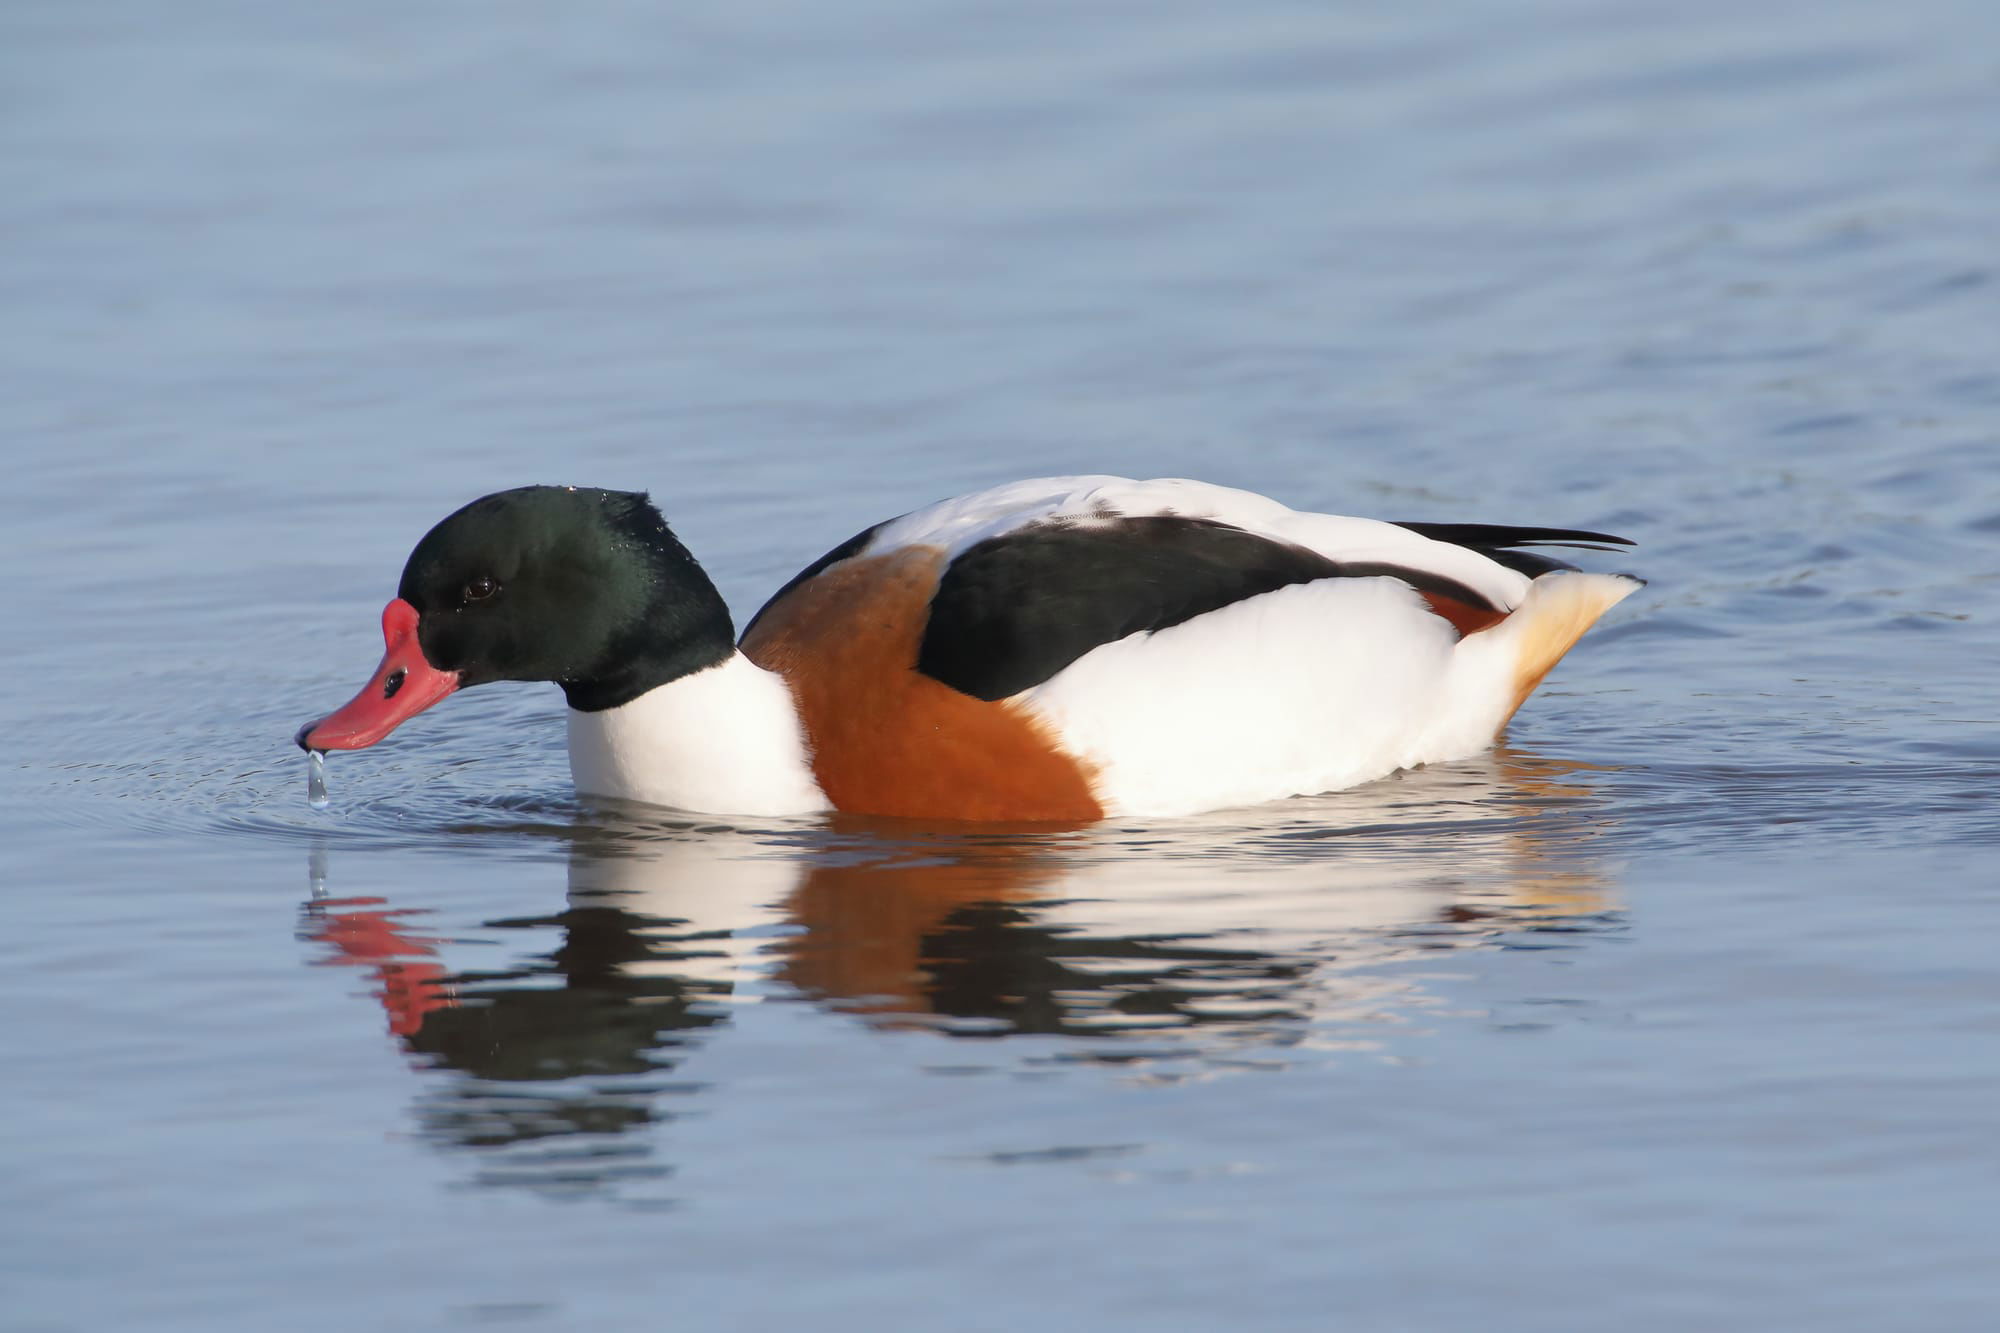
(587, 588)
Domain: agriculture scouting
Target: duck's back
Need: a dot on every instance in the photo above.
(1071, 647)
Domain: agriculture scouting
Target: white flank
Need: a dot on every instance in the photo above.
(1306, 689)
(726, 740)
(1311, 688)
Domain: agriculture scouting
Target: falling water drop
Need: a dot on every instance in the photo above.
(316, 780)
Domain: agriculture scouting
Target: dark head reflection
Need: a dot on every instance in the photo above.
(574, 1046)
(559, 1039)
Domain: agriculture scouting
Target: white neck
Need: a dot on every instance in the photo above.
(722, 741)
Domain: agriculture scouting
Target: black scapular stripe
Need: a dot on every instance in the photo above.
(1012, 611)
(1496, 541)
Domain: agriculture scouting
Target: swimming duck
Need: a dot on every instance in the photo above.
(1060, 649)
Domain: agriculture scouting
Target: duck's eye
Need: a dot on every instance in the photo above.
(480, 588)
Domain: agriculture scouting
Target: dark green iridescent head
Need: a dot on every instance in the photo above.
(584, 587)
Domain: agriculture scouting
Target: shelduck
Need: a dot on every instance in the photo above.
(1061, 649)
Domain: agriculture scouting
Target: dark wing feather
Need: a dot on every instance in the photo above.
(1497, 542)
(1013, 610)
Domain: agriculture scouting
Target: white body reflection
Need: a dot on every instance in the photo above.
(854, 914)
(1205, 936)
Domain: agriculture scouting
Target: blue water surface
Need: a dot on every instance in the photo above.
(1676, 1010)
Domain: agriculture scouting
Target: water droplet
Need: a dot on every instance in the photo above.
(316, 780)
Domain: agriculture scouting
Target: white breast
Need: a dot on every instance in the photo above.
(726, 740)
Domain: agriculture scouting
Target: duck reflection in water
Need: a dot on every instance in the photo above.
(1190, 943)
